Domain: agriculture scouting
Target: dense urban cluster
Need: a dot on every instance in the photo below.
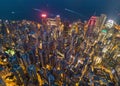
(56, 53)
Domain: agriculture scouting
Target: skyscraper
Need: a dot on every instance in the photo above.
(2, 83)
(26, 60)
(91, 25)
(32, 73)
(102, 20)
(19, 74)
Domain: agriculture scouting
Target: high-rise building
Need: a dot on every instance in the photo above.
(19, 74)
(32, 56)
(91, 25)
(26, 60)
(2, 83)
(4, 72)
(58, 20)
(51, 22)
(13, 60)
(32, 73)
(102, 20)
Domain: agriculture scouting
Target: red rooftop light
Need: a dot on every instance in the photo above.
(43, 15)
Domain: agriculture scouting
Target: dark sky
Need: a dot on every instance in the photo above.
(24, 8)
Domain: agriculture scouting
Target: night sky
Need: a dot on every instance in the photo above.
(24, 9)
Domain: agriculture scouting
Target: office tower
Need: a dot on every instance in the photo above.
(2, 83)
(91, 25)
(31, 69)
(5, 75)
(32, 56)
(102, 20)
(26, 60)
(19, 74)
(50, 78)
(13, 60)
(4, 72)
(58, 20)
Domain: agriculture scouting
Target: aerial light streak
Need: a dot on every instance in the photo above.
(74, 12)
(37, 10)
